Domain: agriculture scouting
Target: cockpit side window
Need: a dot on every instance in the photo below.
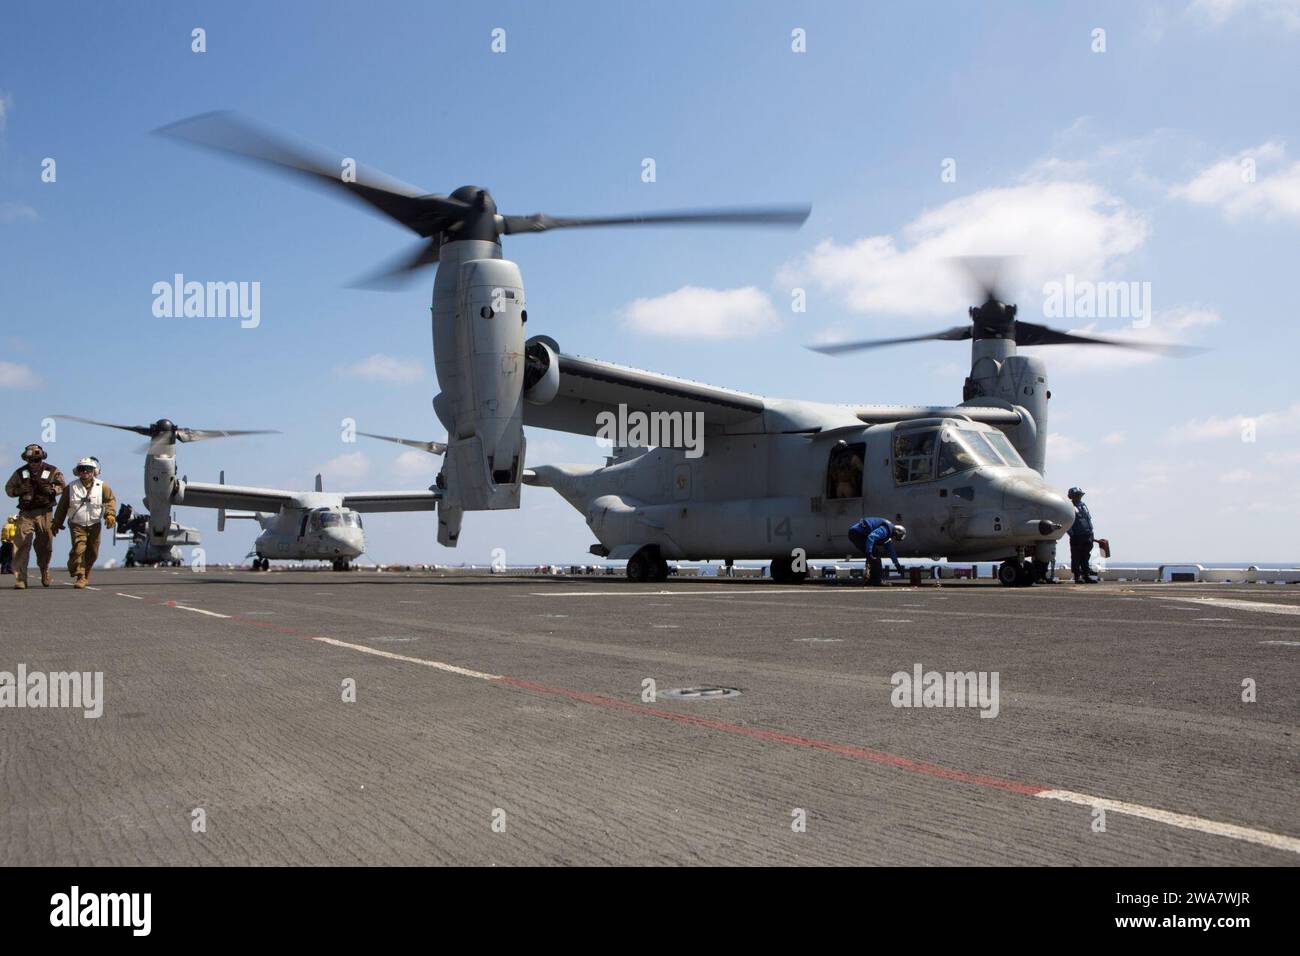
(914, 455)
(844, 471)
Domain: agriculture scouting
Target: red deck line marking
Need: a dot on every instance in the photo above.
(845, 750)
(754, 733)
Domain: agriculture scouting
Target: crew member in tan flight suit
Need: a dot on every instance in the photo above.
(37, 486)
(86, 505)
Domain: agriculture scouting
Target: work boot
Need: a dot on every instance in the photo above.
(81, 583)
(20, 583)
(46, 580)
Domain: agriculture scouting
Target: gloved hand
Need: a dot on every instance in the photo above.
(110, 520)
(55, 529)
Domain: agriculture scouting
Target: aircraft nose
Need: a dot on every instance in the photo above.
(346, 542)
(1050, 508)
(1038, 508)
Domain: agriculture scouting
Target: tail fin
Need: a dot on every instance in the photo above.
(320, 485)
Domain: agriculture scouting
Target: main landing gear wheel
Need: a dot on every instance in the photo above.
(646, 566)
(1016, 574)
(782, 571)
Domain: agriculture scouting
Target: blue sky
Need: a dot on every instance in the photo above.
(1120, 165)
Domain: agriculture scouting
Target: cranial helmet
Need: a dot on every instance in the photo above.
(899, 532)
(87, 464)
(33, 452)
(1075, 492)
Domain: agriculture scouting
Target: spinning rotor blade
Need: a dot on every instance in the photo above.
(400, 269)
(758, 216)
(986, 275)
(422, 213)
(164, 432)
(1029, 333)
(203, 434)
(954, 334)
(138, 429)
(469, 213)
(432, 447)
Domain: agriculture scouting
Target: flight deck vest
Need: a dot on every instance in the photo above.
(85, 505)
(36, 487)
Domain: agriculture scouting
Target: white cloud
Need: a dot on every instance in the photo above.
(1263, 426)
(15, 211)
(346, 469)
(6, 107)
(1257, 182)
(413, 464)
(1237, 476)
(1053, 227)
(1062, 449)
(1215, 13)
(1114, 438)
(13, 375)
(385, 368)
(692, 312)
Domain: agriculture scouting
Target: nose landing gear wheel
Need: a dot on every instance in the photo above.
(1016, 574)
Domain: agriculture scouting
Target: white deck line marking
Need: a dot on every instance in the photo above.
(1184, 821)
(436, 665)
(1262, 606)
(765, 592)
(892, 620)
(1274, 841)
(133, 597)
(199, 610)
(1283, 643)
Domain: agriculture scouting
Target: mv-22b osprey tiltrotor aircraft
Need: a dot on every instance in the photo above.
(296, 525)
(780, 480)
(134, 527)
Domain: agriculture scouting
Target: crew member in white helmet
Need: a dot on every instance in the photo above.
(86, 505)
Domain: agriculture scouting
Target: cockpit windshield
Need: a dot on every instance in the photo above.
(326, 519)
(960, 449)
(1004, 448)
(937, 452)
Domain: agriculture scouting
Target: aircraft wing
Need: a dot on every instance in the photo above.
(198, 494)
(987, 414)
(589, 387)
(379, 501)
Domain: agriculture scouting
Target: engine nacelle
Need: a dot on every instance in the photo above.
(159, 487)
(541, 370)
(482, 402)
